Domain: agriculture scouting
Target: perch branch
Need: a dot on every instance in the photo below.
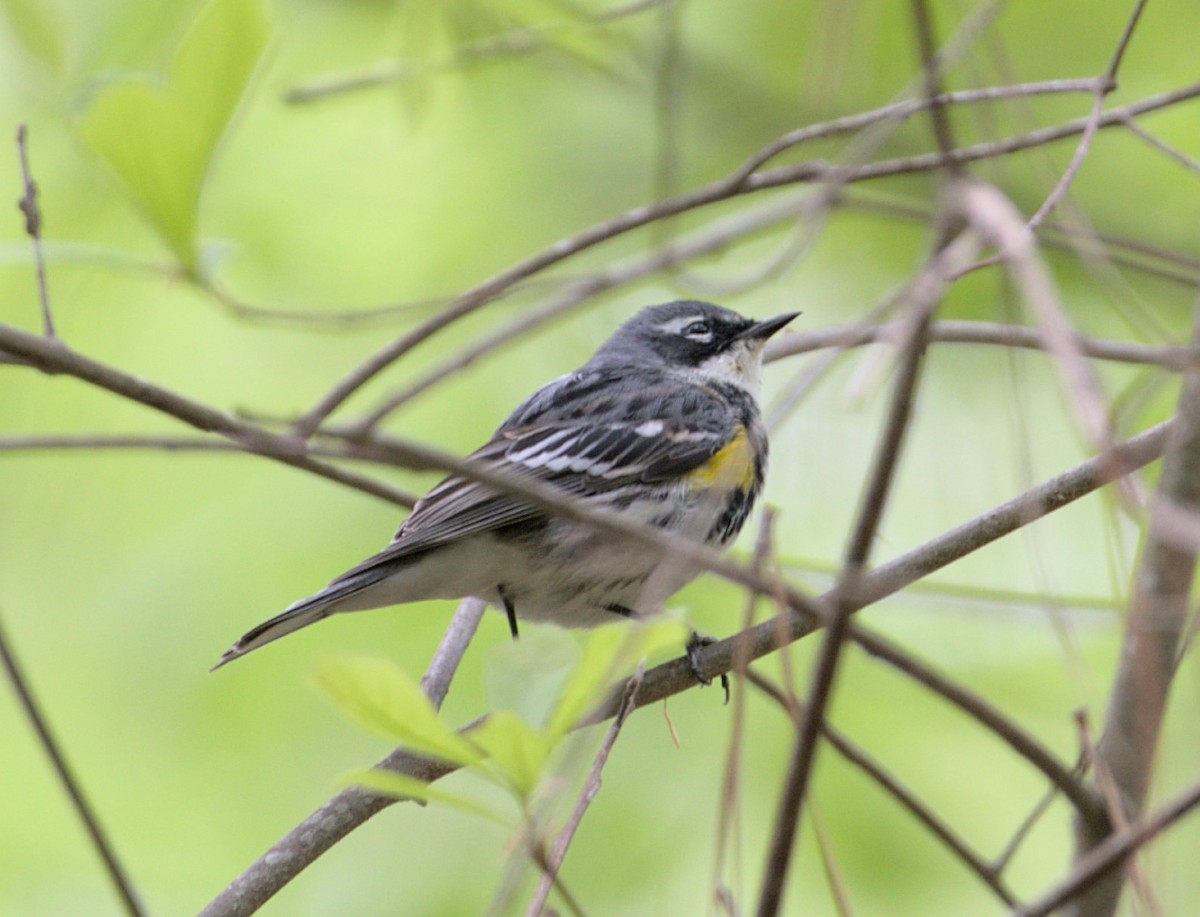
(352, 808)
(353, 805)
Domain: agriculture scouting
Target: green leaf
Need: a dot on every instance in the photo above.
(38, 26)
(160, 139)
(379, 695)
(610, 653)
(518, 752)
(401, 786)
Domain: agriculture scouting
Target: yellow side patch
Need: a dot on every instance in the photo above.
(732, 468)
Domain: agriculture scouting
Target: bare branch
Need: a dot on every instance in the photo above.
(1105, 859)
(859, 758)
(51, 356)
(1171, 357)
(926, 292)
(1093, 122)
(1162, 146)
(28, 205)
(591, 788)
(1157, 619)
(731, 186)
(352, 806)
(112, 865)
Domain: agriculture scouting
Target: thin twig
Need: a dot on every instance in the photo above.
(352, 806)
(834, 877)
(28, 205)
(730, 797)
(1004, 857)
(723, 189)
(717, 238)
(859, 758)
(931, 74)
(925, 294)
(1163, 147)
(1105, 858)
(1093, 123)
(1173, 357)
(55, 358)
(591, 788)
(998, 221)
(116, 872)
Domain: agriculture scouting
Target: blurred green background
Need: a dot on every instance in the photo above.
(124, 574)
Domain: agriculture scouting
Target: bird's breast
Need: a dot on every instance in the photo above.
(735, 466)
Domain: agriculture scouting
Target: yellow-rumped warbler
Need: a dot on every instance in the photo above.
(661, 425)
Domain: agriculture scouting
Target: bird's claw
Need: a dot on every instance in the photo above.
(696, 643)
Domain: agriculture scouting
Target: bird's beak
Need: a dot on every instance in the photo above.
(760, 331)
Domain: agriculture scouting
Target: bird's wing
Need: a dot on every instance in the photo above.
(666, 430)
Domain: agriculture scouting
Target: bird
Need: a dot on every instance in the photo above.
(661, 425)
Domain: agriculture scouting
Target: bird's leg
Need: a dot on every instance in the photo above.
(509, 609)
(696, 642)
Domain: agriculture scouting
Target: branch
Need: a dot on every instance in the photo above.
(51, 356)
(905, 797)
(926, 292)
(1108, 83)
(83, 809)
(734, 185)
(591, 787)
(352, 808)
(353, 805)
(28, 205)
(1173, 357)
(1099, 863)
(1157, 619)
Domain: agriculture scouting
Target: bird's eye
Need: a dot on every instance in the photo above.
(700, 331)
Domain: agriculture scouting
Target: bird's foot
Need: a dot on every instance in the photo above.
(696, 643)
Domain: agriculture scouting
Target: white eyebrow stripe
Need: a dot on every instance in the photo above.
(676, 325)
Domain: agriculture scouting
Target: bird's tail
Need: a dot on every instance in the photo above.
(301, 614)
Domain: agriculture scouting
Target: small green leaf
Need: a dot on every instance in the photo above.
(38, 26)
(379, 695)
(401, 786)
(160, 139)
(518, 752)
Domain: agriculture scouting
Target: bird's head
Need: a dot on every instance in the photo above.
(697, 339)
